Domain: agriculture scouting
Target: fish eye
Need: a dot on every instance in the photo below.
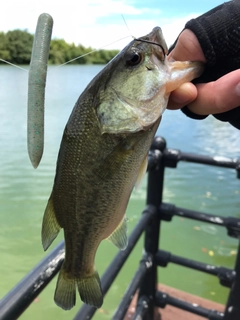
(133, 59)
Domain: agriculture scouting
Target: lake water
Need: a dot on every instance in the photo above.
(24, 192)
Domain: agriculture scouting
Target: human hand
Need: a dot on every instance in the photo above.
(204, 98)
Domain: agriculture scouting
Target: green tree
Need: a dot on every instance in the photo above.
(4, 52)
(58, 51)
(19, 45)
(16, 47)
(78, 52)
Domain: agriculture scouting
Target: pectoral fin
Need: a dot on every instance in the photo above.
(50, 226)
(141, 172)
(119, 235)
(183, 71)
(114, 160)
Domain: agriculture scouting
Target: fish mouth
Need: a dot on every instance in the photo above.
(156, 39)
(156, 36)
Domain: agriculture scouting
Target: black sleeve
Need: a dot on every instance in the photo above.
(218, 32)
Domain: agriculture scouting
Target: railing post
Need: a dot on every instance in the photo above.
(232, 311)
(154, 197)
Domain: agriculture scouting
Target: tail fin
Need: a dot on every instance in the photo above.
(89, 289)
(65, 293)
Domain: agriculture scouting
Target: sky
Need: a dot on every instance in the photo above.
(100, 23)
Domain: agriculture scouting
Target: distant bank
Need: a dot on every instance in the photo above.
(16, 47)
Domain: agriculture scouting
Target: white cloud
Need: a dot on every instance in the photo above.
(171, 29)
(78, 21)
(74, 20)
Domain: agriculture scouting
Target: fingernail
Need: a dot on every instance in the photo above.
(237, 89)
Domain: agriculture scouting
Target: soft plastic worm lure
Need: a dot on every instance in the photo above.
(36, 88)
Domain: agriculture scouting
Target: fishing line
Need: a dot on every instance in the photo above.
(142, 40)
(69, 61)
(86, 54)
(14, 65)
(125, 22)
(151, 42)
(79, 57)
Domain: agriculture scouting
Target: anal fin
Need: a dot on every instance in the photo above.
(50, 226)
(119, 235)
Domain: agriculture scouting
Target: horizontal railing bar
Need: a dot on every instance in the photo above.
(226, 276)
(173, 156)
(21, 296)
(145, 265)
(214, 161)
(86, 312)
(219, 161)
(167, 211)
(163, 299)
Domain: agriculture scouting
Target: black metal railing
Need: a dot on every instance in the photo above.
(145, 279)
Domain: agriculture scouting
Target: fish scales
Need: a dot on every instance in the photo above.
(103, 154)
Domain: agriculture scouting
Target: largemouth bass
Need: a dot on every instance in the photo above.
(103, 155)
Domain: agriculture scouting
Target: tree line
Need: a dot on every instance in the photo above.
(16, 47)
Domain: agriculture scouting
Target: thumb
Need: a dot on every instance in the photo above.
(187, 48)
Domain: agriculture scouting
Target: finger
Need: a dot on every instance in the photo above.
(187, 48)
(218, 96)
(182, 96)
